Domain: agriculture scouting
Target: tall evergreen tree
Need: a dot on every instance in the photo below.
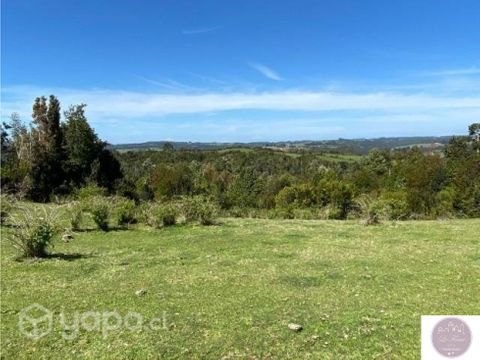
(46, 173)
(80, 144)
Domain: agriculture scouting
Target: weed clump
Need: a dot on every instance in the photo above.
(34, 231)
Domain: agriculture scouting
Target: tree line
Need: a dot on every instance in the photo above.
(54, 158)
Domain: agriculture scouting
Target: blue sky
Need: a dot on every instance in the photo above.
(247, 70)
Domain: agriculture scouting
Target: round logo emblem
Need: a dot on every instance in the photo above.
(451, 337)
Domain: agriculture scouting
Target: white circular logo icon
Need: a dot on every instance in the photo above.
(35, 321)
(451, 337)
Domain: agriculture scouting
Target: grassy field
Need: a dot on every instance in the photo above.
(229, 291)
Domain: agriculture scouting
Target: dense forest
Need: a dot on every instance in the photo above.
(51, 159)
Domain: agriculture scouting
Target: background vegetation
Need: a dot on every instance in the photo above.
(135, 221)
(52, 160)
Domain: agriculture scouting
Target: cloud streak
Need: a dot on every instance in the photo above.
(127, 104)
(266, 71)
(169, 84)
(200, 30)
(453, 72)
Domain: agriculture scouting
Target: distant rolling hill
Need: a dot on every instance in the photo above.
(352, 146)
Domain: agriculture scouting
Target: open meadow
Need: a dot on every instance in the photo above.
(240, 180)
(229, 291)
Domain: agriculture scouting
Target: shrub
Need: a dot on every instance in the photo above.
(125, 212)
(188, 209)
(333, 212)
(207, 212)
(161, 215)
(99, 208)
(143, 213)
(366, 207)
(373, 216)
(6, 206)
(286, 213)
(285, 197)
(306, 214)
(299, 196)
(393, 205)
(34, 231)
(236, 212)
(444, 203)
(126, 189)
(199, 208)
(166, 214)
(144, 190)
(337, 194)
(90, 190)
(75, 215)
(147, 214)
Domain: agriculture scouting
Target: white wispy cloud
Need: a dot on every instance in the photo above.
(169, 84)
(453, 72)
(199, 30)
(266, 71)
(103, 103)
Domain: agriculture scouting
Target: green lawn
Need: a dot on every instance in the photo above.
(229, 291)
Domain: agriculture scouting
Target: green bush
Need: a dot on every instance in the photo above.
(287, 213)
(236, 212)
(6, 206)
(34, 231)
(89, 191)
(306, 214)
(99, 208)
(146, 214)
(333, 212)
(444, 203)
(199, 208)
(167, 214)
(207, 213)
(299, 196)
(161, 215)
(143, 212)
(366, 207)
(125, 212)
(281, 213)
(337, 194)
(393, 205)
(188, 208)
(75, 215)
(285, 197)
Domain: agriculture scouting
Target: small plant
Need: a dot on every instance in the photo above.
(200, 208)
(286, 212)
(168, 215)
(6, 206)
(89, 191)
(236, 212)
(125, 212)
(75, 214)
(369, 208)
(332, 212)
(162, 215)
(394, 205)
(188, 209)
(143, 213)
(34, 231)
(99, 208)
